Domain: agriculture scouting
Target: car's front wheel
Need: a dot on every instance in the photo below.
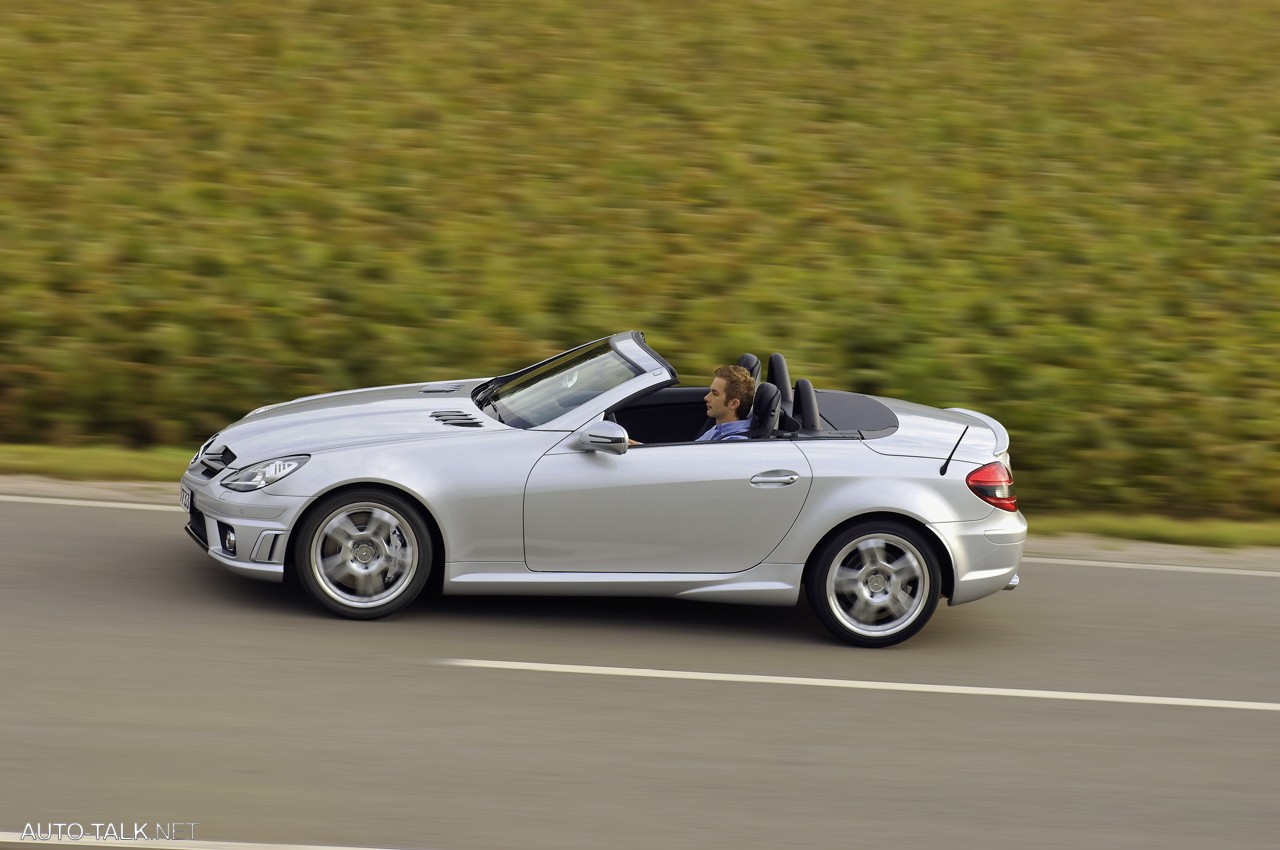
(363, 554)
(875, 584)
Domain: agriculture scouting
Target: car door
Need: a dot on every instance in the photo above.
(709, 507)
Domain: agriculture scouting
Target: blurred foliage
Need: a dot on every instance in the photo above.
(94, 463)
(1181, 531)
(1063, 213)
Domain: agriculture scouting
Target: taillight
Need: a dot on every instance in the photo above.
(993, 484)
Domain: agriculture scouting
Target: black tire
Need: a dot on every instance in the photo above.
(363, 554)
(875, 583)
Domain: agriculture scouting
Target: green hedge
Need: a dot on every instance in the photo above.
(1063, 213)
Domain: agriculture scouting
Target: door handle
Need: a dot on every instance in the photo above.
(775, 478)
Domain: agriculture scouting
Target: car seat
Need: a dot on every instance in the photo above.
(780, 377)
(765, 412)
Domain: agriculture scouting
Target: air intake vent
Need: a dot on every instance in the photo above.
(215, 462)
(458, 418)
(440, 388)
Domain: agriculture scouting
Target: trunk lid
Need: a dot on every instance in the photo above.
(932, 432)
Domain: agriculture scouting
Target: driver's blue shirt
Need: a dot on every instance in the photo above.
(733, 430)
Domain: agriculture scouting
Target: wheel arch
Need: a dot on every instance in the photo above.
(946, 568)
(433, 526)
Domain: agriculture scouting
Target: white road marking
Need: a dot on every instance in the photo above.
(909, 687)
(1170, 568)
(90, 841)
(82, 503)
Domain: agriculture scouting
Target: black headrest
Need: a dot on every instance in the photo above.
(780, 377)
(806, 406)
(751, 363)
(765, 411)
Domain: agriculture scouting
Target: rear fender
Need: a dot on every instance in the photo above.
(851, 481)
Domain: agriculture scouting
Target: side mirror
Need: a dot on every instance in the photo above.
(603, 437)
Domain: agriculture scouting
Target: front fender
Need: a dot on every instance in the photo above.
(473, 488)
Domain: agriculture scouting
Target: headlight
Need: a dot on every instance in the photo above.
(261, 474)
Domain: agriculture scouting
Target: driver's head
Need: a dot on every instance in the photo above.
(731, 395)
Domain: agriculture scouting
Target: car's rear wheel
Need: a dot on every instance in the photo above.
(875, 584)
(364, 554)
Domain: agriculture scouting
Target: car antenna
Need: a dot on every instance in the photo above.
(947, 462)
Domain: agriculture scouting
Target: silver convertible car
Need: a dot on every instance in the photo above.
(528, 483)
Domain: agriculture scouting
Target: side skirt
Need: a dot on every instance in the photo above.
(766, 584)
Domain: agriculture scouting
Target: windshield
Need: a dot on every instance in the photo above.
(557, 386)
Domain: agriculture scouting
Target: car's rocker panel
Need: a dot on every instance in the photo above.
(766, 584)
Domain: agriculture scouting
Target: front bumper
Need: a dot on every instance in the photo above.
(248, 533)
(985, 554)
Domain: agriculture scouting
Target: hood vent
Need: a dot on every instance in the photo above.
(440, 388)
(457, 418)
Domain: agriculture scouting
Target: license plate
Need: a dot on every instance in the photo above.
(184, 498)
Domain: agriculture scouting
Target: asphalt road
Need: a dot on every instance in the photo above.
(141, 683)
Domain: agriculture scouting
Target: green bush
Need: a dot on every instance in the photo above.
(1061, 213)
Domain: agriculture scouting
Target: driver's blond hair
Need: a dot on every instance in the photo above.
(738, 384)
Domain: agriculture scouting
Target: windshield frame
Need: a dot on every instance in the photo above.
(542, 396)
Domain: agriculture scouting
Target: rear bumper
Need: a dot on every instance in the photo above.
(985, 554)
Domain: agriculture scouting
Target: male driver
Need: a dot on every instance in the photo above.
(729, 403)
